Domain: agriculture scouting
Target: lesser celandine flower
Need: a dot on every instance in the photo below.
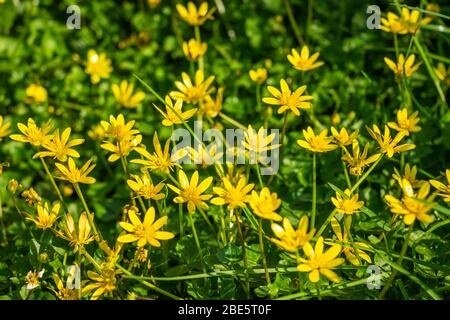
(409, 175)
(347, 204)
(258, 142)
(204, 156)
(59, 147)
(233, 196)
(144, 187)
(303, 61)
(146, 231)
(264, 204)
(192, 191)
(45, 217)
(193, 49)
(31, 197)
(408, 22)
(63, 293)
(404, 123)
(32, 134)
(118, 129)
(348, 250)
(103, 282)
(74, 175)
(288, 100)
(444, 190)
(77, 237)
(402, 67)
(318, 262)
(174, 113)
(121, 148)
(194, 16)
(124, 94)
(443, 73)
(259, 75)
(97, 132)
(357, 161)
(4, 128)
(289, 239)
(342, 137)
(192, 92)
(319, 143)
(98, 66)
(409, 206)
(388, 145)
(212, 107)
(36, 93)
(160, 160)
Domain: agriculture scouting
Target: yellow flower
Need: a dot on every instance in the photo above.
(402, 67)
(289, 239)
(348, 204)
(408, 22)
(211, 108)
(146, 231)
(265, 204)
(343, 138)
(404, 123)
(194, 49)
(153, 3)
(288, 100)
(192, 92)
(303, 61)
(392, 23)
(443, 74)
(121, 148)
(160, 160)
(36, 94)
(349, 251)
(98, 66)
(258, 142)
(59, 147)
(444, 190)
(409, 207)
(74, 175)
(97, 132)
(45, 217)
(117, 128)
(387, 144)
(31, 197)
(171, 116)
(63, 293)
(320, 143)
(358, 161)
(319, 262)
(4, 128)
(124, 95)
(194, 16)
(143, 187)
(259, 75)
(410, 176)
(76, 239)
(205, 156)
(32, 134)
(103, 282)
(192, 191)
(233, 196)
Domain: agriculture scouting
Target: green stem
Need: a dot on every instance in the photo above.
(232, 121)
(98, 235)
(309, 18)
(294, 25)
(244, 253)
(199, 40)
(258, 172)
(283, 128)
(399, 262)
(148, 284)
(55, 187)
(314, 192)
(258, 97)
(263, 254)
(199, 248)
(356, 185)
(180, 217)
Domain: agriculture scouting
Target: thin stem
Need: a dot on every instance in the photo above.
(366, 174)
(309, 17)
(180, 217)
(52, 180)
(399, 262)
(347, 178)
(199, 248)
(232, 121)
(294, 25)
(244, 254)
(263, 254)
(97, 234)
(314, 192)
(258, 172)
(199, 40)
(258, 96)
(148, 284)
(318, 292)
(283, 128)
